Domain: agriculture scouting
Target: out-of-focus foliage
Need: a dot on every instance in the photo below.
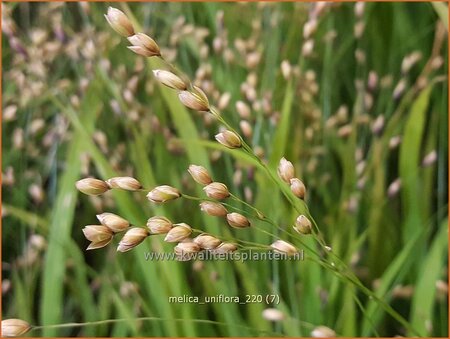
(355, 96)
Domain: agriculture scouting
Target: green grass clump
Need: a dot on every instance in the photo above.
(356, 97)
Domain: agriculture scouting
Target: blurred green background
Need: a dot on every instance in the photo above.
(359, 106)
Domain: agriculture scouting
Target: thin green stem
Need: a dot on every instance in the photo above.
(259, 214)
(257, 248)
(238, 210)
(190, 197)
(115, 321)
(254, 244)
(265, 232)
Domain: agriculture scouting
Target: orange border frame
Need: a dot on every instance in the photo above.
(100, 1)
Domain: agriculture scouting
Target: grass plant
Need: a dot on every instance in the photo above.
(312, 128)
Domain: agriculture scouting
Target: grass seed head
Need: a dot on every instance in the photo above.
(10, 113)
(119, 22)
(372, 81)
(368, 101)
(342, 114)
(286, 69)
(323, 332)
(169, 79)
(246, 128)
(216, 190)
(248, 194)
(188, 247)
(359, 9)
(229, 139)
(113, 222)
(98, 235)
(378, 125)
(309, 28)
(429, 158)
(441, 288)
(243, 110)
(125, 183)
(272, 314)
(200, 174)
(259, 152)
(159, 225)
(437, 62)
(139, 51)
(285, 170)
(186, 250)
(399, 89)
(91, 186)
(143, 45)
(402, 291)
(410, 60)
(224, 100)
(132, 238)
(213, 208)
(395, 141)
(319, 8)
(38, 242)
(253, 59)
(358, 29)
(237, 177)
(225, 247)
(178, 233)
(298, 188)
(163, 193)
(303, 225)
(284, 247)
(394, 188)
(207, 241)
(345, 131)
(194, 99)
(307, 48)
(14, 327)
(37, 193)
(237, 220)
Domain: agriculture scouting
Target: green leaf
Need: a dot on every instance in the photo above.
(396, 271)
(282, 133)
(431, 270)
(409, 162)
(62, 218)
